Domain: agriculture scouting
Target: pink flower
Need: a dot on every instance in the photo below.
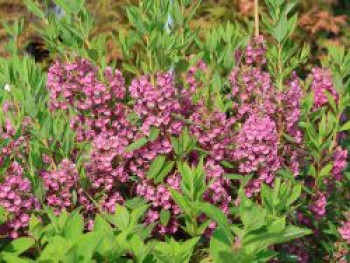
(344, 231)
(321, 82)
(17, 200)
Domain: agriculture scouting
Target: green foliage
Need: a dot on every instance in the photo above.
(159, 47)
(278, 200)
(256, 234)
(193, 186)
(285, 56)
(173, 252)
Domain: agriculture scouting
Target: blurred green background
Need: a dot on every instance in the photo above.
(322, 22)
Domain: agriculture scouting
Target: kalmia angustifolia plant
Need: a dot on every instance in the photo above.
(205, 147)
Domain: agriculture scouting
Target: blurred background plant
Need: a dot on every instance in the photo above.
(321, 22)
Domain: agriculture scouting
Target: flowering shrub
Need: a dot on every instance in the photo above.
(186, 157)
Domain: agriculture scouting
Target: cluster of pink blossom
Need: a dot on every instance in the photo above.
(256, 98)
(160, 198)
(218, 191)
(256, 150)
(214, 132)
(17, 199)
(252, 91)
(318, 207)
(193, 75)
(255, 52)
(250, 135)
(104, 168)
(344, 231)
(155, 103)
(59, 186)
(156, 100)
(16, 145)
(321, 83)
(76, 84)
(291, 100)
(298, 250)
(339, 162)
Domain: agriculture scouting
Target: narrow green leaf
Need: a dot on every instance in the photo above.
(217, 215)
(34, 8)
(166, 169)
(154, 134)
(20, 245)
(164, 217)
(345, 127)
(156, 166)
(136, 144)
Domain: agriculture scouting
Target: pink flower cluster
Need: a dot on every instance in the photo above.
(193, 76)
(252, 91)
(218, 192)
(321, 83)
(77, 85)
(291, 100)
(264, 110)
(318, 207)
(255, 52)
(160, 198)
(339, 162)
(256, 150)
(155, 103)
(214, 132)
(18, 201)
(344, 231)
(16, 146)
(59, 186)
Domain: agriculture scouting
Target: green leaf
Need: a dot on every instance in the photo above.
(136, 144)
(11, 258)
(345, 127)
(93, 54)
(326, 170)
(34, 8)
(137, 214)
(76, 6)
(331, 100)
(248, 211)
(57, 248)
(176, 145)
(135, 203)
(180, 201)
(63, 4)
(101, 225)
(280, 31)
(74, 225)
(295, 194)
(156, 166)
(4, 142)
(121, 217)
(86, 245)
(227, 164)
(164, 217)
(20, 245)
(216, 214)
(35, 228)
(166, 169)
(3, 215)
(154, 134)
